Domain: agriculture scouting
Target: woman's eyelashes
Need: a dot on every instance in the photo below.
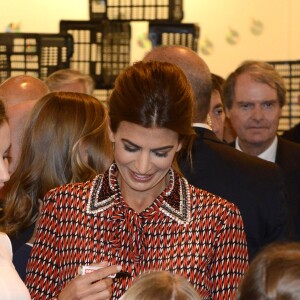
(160, 154)
(131, 148)
(6, 156)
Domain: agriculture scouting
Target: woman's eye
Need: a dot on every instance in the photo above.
(161, 154)
(130, 148)
(7, 157)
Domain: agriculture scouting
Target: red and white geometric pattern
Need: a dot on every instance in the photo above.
(186, 230)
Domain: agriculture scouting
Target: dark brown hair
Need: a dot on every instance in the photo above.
(154, 94)
(195, 70)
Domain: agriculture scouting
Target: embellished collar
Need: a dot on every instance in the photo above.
(174, 201)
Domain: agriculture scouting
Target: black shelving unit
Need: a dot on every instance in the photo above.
(34, 54)
(290, 72)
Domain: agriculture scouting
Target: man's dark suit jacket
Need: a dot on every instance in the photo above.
(255, 186)
(293, 134)
(288, 159)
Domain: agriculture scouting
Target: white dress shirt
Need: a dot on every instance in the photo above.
(202, 125)
(269, 154)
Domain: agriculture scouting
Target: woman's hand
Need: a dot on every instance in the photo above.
(95, 285)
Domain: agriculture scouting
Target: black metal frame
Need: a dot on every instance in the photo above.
(101, 48)
(290, 72)
(34, 54)
(136, 10)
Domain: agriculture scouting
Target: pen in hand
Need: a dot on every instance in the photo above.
(82, 270)
(121, 274)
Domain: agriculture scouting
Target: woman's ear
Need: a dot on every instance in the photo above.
(110, 133)
(179, 147)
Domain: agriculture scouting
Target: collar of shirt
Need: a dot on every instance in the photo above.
(174, 201)
(202, 125)
(269, 154)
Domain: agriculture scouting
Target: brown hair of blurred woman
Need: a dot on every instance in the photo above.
(65, 140)
(273, 275)
(161, 285)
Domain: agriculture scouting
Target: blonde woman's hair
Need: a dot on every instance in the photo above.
(65, 140)
(161, 285)
(57, 80)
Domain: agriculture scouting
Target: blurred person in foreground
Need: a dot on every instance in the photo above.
(163, 285)
(273, 274)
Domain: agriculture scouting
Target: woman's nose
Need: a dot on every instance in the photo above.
(143, 163)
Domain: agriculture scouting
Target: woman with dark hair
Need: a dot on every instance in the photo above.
(141, 214)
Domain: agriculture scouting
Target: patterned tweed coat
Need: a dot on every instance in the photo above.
(186, 231)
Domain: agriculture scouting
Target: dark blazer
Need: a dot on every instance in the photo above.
(255, 186)
(288, 159)
(293, 134)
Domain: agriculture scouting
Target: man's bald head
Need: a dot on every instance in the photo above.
(17, 117)
(195, 69)
(19, 94)
(22, 88)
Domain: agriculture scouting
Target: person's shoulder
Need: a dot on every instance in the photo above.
(210, 202)
(292, 134)
(73, 188)
(293, 146)
(228, 153)
(288, 150)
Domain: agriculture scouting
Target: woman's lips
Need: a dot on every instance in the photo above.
(140, 177)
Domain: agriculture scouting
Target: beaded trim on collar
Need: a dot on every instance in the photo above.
(175, 204)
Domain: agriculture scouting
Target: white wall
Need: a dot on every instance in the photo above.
(279, 39)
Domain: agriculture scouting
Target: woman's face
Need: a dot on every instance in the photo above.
(143, 156)
(4, 153)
